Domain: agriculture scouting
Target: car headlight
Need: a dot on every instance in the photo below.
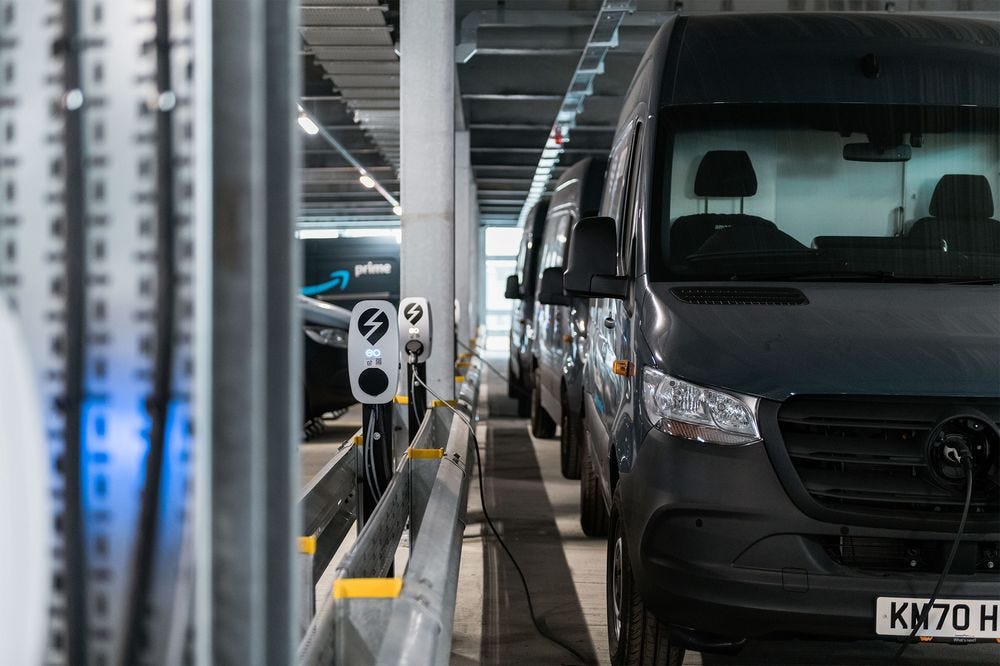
(331, 337)
(701, 414)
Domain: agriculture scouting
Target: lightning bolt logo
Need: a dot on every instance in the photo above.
(413, 312)
(373, 324)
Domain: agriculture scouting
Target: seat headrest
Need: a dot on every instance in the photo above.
(725, 173)
(962, 196)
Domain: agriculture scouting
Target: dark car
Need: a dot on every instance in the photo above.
(327, 384)
(560, 321)
(520, 288)
(792, 386)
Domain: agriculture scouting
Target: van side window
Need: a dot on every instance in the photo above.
(614, 186)
(628, 210)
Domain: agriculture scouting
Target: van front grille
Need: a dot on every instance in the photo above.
(879, 554)
(868, 455)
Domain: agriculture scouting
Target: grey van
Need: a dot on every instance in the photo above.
(560, 321)
(520, 288)
(792, 388)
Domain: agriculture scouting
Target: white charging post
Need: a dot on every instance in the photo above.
(373, 365)
(415, 344)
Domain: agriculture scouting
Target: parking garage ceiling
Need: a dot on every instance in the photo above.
(514, 61)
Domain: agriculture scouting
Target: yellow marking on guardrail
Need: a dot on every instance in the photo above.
(462, 364)
(401, 400)
(424, 454)
(367, 588)
(459, 379)
(443, 403)
(358, 440)
(307, 545)
(465, 357)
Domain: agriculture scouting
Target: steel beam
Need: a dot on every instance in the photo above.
(255, 384)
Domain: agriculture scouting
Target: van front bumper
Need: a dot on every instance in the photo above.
(724, 551)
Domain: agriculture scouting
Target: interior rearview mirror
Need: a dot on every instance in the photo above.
(513, 288)
(869, 152)
(592, 260)
(550, 290)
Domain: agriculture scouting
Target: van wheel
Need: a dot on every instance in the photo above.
(523, 403)
(542, 425)
(513, 390)
(635, 636)
(570, 442)
(593, 513)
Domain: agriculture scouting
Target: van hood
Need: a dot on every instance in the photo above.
(861, 339)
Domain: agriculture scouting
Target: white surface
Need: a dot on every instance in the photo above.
(25, 549)
(415, 324)
(947, 618)
(369, 346)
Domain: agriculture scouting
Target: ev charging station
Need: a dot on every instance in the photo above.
(415, 343)
(373, 365)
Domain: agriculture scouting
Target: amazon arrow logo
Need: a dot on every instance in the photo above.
(339, 279)
(373, 324)
(413, 312)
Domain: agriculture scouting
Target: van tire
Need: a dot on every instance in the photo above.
(641, 639)
(593, 512)
(542, 425)
(523, 403)
(570, 442)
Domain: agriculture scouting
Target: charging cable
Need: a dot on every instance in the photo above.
(542, 631)
(966, 460)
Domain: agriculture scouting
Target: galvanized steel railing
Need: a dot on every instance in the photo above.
(372, 616)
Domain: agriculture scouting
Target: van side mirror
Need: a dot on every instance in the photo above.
(550, 290)
(592, 260)
(512, 290)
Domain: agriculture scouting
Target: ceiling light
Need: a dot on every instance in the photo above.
(398, 210)
(307, 125)
(367, 181)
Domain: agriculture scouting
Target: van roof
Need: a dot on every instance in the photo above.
(819, 58)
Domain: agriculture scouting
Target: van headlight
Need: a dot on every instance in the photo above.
(686, 410)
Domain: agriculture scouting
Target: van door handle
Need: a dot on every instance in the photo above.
(609, 322)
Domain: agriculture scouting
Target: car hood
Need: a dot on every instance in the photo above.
(318, 313)
(866, 339)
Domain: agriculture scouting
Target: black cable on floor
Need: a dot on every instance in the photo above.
(147, 533)
(542, 631)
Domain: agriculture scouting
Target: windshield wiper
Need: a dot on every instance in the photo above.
(866, 276)
(974, 279)
(818, 276)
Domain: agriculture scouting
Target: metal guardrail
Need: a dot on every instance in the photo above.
(373, 617)
(329, 509)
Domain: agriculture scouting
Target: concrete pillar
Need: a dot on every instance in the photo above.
(463, 236)
(474, 260)
(427, 173)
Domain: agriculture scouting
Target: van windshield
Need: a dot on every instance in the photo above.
(827, 192)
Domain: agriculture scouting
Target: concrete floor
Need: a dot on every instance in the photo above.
(537, 511)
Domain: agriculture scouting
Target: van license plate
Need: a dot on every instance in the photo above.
(948, 618)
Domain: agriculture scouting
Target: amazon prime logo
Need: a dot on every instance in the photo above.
(413, 312)
(373, 324)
